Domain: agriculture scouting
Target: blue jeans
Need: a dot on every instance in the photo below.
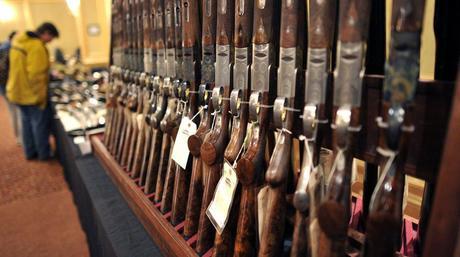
(36, 131)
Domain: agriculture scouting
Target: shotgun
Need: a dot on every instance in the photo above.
(194, 142)
(383, 229)
(215, 142)
(191, 206)
(334, 211)
(224, 242)
(276, 177)
(251, 167)
(170, 74)
(308, 194)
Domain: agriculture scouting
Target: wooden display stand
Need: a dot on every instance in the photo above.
(167, 237)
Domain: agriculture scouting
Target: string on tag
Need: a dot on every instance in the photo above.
(192, 92)
(265, 106)
(225, 98)
(386, 168)
(198, 113)
(244, 102)
(349, 128)
(238, 156)
(339, 156)
(383, 124)
(214, 120)
(291, 109)
(308, 150)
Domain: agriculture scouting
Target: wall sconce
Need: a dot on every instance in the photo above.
(74, 6)
(7, 12)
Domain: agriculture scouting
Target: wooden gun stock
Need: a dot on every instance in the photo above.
(251, 167)
(224, 243)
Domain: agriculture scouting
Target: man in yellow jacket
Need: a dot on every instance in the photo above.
(27, 87)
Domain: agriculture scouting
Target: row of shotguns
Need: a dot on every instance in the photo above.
(257, 82)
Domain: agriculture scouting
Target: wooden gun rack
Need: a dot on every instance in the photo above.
(166, 236)
(433, 105)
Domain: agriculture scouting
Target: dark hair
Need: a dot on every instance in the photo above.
(48, 27)
(11, 35)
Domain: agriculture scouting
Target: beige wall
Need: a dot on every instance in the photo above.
(73, 29)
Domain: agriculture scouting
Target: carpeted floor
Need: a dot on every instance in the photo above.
(37, 214)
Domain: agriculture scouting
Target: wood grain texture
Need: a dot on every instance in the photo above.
(193, 207)
(353, 20)
(154, 161)
(167, 197)
(145, 155)
(244, 10)
(321, 24)
(162, 168)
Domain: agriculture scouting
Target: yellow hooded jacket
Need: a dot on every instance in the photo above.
(28, 74)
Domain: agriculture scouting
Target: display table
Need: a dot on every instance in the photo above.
(111, 227)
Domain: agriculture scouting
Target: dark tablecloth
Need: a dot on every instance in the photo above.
(111, 227)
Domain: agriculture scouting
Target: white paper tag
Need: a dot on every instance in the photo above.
(262, 198)
(221, 205)
(181, 152)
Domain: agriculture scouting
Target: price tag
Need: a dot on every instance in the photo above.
(181, 152)
(221, 205)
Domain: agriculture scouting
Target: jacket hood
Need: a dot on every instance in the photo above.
(25, 37)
